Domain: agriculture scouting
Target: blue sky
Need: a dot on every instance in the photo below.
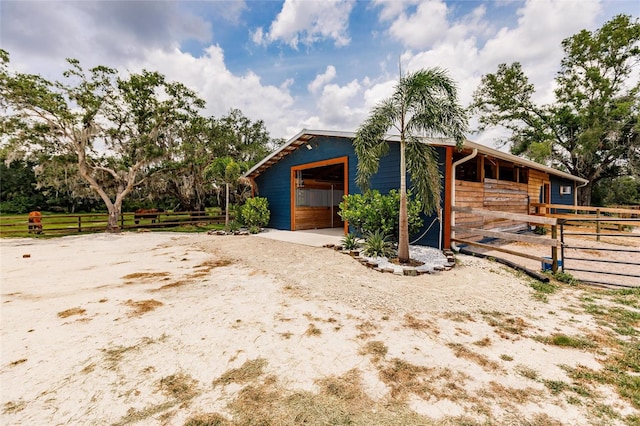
(301, 64)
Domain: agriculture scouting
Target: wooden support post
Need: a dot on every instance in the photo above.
(448, 201)
(121, 220)
(597, 225)
(554, 249)
(79, 224)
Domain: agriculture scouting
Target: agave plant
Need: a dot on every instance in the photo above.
(377, 244)
(350, 242)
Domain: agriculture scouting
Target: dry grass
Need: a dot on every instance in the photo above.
(503, 393)
(141, 307)
(505, 326)
(341, 400)
(17, 362)
(404, 378)
(462, 352)
(366, 330)
(312, 330)
(207, 419)
(13, 407)
(114, 355)
(180, 387)
(483, 343)
(249, 371)
(417, 324)
(377, 349)
(73, 311)
(179, 283)
(458, 316)
(208, 265)
(145, 276)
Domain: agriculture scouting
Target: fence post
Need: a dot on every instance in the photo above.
(554, 249)
(121, 220)
(562, 244)
(79, 224)
(597, 225)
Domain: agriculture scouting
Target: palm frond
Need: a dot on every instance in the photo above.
(369, 143)
(422, 166)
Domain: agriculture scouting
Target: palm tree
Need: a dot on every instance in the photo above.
(423, 104)
(224, 170)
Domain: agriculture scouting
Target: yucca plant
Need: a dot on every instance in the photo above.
(377, 244)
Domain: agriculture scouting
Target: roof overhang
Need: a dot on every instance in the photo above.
(305, 136)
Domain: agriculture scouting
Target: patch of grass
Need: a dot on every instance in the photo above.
(13, 407)
(17, 362)
(114, 355)
(542, 290)
(73, 311)
(458, 316)
(176, 284)
(556, 386)
(366, 329)
(250, 370)
(135, 416)
(506, 357)
(505, 325)
(461, 351)
(404, 378)
(417, 324)
(312, 330)
(180, 387)
(497, 390)
(207, 419)
(145, 276)
(484, 342)
(567, 341)
(378, 350)
(141, 307)
(527, 372)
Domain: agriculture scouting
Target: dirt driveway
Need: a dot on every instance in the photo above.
(164, 328)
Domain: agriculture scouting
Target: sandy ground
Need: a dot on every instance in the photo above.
(92, 325)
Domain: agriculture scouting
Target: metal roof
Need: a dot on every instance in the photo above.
(306, 135)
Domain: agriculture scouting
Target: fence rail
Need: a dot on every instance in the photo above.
(579, 262)
(552, 242)
(61, 224)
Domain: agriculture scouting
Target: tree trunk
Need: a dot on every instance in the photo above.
(403, 237)
(584, 195)
(114, 215)
(226, 207)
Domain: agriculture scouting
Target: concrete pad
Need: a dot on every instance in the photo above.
(311, 237)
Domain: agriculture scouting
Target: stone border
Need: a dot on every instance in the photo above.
(406, 270)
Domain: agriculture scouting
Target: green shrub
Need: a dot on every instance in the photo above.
(350, 242)
(371, 211)
(254, 229)
(378, 244)
(255, 212)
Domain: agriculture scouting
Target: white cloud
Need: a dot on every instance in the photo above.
(535, 41)
(311, 21)
(322, 79)
(222, 90)
(422, 28)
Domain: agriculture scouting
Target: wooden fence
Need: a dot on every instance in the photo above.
(96, 222)
(552, 242)
(603, 217)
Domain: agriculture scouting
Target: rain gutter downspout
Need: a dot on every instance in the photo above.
(453, 194)
(575, 195)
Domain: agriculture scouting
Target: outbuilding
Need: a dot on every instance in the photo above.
(305, 179)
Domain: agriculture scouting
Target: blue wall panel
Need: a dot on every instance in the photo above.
(556, 197)
(274, 183)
